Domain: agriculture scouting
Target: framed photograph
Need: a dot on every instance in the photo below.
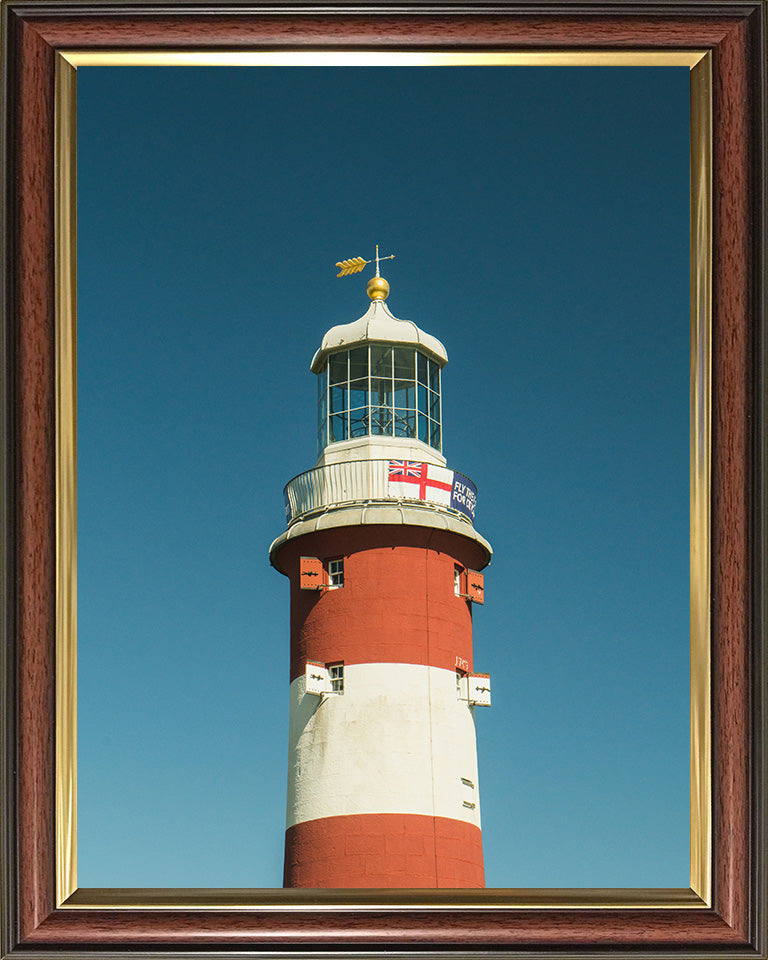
(155, 260)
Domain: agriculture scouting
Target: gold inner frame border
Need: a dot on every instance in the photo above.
(698, 896)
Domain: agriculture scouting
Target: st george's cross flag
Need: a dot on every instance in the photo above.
(412, 480)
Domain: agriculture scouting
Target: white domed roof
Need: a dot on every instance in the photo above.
(379, 325)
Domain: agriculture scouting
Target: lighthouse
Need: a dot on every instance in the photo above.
(385, 567)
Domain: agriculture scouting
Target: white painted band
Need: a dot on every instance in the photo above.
(398, 740)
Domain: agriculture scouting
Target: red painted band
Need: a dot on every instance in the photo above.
(397, 605)
(384, 850)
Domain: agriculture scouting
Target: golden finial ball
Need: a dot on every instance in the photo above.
(378, 288)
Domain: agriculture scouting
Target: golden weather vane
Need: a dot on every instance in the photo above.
(356, 264)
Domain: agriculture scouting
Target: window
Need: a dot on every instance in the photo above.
(335, 574)
(379, 390)
(336, 673)
(457, 571)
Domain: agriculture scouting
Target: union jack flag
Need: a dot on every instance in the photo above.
(404, 468)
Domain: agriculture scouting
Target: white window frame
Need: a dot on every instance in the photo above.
(335, 570)
(336, 677)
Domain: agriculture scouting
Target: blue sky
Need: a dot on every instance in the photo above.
(539, 218)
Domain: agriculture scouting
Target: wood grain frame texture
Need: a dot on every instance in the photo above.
(735, 925)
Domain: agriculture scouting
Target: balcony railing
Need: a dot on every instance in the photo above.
(379, 481)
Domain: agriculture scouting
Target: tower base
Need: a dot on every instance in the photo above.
(384, 850)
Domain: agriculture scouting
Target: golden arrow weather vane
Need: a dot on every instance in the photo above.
(356, 264)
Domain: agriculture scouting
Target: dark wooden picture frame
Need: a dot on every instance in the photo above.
(735, 924)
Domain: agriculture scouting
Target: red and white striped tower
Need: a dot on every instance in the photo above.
(384, 562)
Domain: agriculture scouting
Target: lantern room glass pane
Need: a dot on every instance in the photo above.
(405, 393)
(381, 392)
(358, 393)
(434, 405)
(381, 421)
(434, 434)
(423, 403)
(405, 423)
(322, 382)
(405, 363)
(358, 422)
(358, 363)
(434, 375)
(338, 399)
(422, 367)
(338, 428)
(423, 428)
(337, 366)
(381, 361)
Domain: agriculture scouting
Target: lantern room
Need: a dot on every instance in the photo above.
(378, 386)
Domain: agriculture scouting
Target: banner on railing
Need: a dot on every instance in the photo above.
(412, 480)
(464, 495)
